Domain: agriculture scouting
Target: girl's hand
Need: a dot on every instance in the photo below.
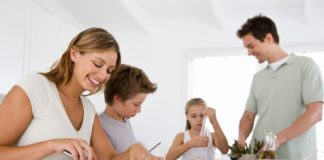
(210, 113)
(199, 141)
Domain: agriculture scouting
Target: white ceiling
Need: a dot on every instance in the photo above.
(145, 15)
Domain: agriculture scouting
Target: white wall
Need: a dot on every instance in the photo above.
(32, 38)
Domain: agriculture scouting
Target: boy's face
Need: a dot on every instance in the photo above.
(131, 106)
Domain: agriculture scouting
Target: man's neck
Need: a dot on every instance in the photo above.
(278, 54)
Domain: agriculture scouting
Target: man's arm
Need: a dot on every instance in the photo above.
(312, 115)
(245, 127)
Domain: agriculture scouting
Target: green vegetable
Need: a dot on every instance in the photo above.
(237, 151)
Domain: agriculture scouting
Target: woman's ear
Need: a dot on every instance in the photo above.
(74, 54)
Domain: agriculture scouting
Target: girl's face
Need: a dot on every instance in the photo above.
(91, 70)
(130, 107)
(195, 116)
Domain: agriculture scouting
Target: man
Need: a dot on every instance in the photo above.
(287, 95)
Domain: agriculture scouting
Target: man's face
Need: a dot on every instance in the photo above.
(256, 48)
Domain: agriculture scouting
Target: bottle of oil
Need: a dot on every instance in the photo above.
(269, 149)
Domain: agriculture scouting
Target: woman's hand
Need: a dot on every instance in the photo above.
(78, 148)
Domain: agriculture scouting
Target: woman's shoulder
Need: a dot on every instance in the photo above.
(34, 82)
(34, 78)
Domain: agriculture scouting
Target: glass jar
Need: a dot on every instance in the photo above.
(269, 149)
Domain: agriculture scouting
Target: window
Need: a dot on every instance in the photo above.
(216, 80)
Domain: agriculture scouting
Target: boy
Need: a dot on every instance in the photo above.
(124, 94)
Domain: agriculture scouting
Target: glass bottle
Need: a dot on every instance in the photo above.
(269, 149)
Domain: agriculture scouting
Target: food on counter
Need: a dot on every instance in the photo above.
(237, 151)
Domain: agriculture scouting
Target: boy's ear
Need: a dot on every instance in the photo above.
(117, 99)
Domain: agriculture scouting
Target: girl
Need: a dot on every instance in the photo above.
(196, 143)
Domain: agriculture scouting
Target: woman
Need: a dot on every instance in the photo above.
(46, 113)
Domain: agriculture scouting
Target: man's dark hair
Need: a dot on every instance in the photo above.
(259, 26)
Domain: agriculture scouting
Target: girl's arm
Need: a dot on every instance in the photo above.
(218, 136)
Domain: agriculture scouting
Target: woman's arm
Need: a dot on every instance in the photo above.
(101, 144)
(15, 116)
